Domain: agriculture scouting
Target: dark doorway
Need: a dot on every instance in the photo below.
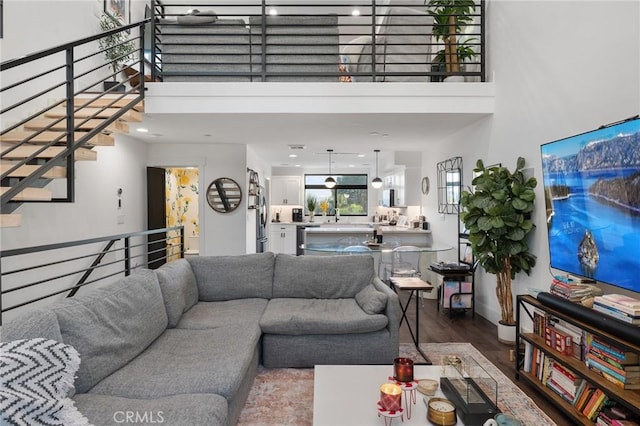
(156, 216)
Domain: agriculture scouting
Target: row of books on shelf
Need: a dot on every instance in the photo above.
(620, 307)
(619, 366)
(586, 398)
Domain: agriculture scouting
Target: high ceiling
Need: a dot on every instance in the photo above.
(271, 135)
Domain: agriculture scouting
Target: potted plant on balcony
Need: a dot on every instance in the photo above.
(450, 16)
(497, 215)
(117, 48)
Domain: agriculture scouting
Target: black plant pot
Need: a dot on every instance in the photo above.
(107, 85)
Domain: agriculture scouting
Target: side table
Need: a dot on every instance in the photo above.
(413, 285)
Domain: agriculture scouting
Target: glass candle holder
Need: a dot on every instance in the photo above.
(403, 369)
(390, 397)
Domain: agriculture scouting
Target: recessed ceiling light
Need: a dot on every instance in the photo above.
(273, 12)
(360, 155)
(292, 155)
(355, 12)
(351, 165)
(142, 130)
(297, 165)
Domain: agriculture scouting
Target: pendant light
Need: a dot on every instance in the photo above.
(376, 182)
(330, 182)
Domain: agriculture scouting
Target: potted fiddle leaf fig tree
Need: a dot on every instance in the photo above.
(497, 215)
(117, 47)
(450, 17)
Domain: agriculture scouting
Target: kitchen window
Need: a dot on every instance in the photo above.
(349, 195)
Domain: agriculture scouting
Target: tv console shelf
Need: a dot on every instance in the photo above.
(630, 399)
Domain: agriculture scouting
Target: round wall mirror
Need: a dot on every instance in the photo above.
(224, 195)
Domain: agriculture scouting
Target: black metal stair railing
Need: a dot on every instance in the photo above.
(32, 274)
(56, 78)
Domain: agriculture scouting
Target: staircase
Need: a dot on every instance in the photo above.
(39, 152)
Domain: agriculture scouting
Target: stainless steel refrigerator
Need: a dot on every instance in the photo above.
(262, 213)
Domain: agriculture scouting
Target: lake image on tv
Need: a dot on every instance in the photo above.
(592, 193)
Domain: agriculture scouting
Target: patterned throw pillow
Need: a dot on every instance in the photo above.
(36, 381)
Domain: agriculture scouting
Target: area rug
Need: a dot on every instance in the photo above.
(284, 396)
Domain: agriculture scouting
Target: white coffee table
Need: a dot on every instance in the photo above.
(346, 395)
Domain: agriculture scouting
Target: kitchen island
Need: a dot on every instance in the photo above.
(331, 239)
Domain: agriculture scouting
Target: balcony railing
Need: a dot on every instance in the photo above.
(359, 41)
(34, 275)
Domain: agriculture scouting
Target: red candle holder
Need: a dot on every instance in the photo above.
(403, 369)
(390, 397)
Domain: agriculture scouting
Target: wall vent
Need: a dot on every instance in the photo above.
(296, 147)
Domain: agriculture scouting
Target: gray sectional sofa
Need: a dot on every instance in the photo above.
(186, 340)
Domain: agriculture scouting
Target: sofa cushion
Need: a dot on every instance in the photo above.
(111, 325)
(179, 289)
(321, 277)
(198, 18)
(37, 379)
(186, 409)
(187, 361)
(371, 300)
(39, 323)
(217, 314)
(318, 316)
(233, 277)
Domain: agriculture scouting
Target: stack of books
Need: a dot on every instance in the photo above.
(563, 382)
(570, 330)
(616, 416)
(569, 288)
(615, 364)
(618, 306)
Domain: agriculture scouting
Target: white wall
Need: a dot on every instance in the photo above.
(565, 67)
(95, 211)
(220, 233)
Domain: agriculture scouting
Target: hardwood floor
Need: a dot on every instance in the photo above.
(438, 327)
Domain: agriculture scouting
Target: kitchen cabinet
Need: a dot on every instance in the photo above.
(285, 190)
(405, 182)
(282, 239)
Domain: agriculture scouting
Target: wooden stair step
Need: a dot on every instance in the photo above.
(90, 112)
(10, 220)
(29, 194)
(105, 101)
(17, 136)
(56, 172)
(44, 123)
(24, 151)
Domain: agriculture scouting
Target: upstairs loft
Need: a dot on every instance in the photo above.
(318, 57)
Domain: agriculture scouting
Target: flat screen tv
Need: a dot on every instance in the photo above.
(592, 196)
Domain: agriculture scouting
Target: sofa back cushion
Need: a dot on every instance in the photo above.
(233, 277)
(112, 325)
(321, 277)
(179, 289)
(39, 323)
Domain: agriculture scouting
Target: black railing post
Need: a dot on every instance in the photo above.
(127, 257)
(373, 40)
(483, 33)
(263, 41)
(182, 243)
(71, 193)
(142, 58)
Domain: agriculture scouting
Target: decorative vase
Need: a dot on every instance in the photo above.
(506, 333)
(310, 216)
